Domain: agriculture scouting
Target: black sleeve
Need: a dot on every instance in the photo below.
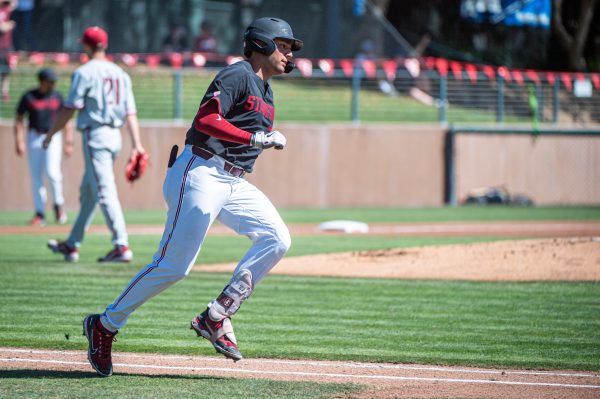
(227, 88)
(61, 100)
(22, 107)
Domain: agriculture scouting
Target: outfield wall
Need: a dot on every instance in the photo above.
(342, 165)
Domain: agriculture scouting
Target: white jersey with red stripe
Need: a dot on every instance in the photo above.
(102, 92)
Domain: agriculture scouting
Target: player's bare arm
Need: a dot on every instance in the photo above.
(68, 139)
(63, 117)
(7, 26)
(133, 127)
(19, 135)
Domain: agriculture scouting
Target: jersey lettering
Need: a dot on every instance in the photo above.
(246, 102)
(111, 90)
(257, 104)
(52, 104)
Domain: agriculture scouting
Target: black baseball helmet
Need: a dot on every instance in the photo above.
(266, 30)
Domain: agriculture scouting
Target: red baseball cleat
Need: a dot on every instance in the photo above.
(38, 220)
(71, 254)
(219, 333)
(120, 253)
(99, 344)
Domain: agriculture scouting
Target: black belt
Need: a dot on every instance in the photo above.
(228, 166)
(97, 126)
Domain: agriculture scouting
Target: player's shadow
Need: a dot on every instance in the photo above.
(22, 373)
(56, 374)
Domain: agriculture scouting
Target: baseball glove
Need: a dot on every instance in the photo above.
(136, 166)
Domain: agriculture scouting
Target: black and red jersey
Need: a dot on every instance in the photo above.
(245, 101)
(41, 108)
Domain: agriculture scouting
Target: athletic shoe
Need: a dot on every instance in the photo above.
(59, 215)
(120, 253)
(38, 221)
(60, 247)
(205, 328)
(99, 344)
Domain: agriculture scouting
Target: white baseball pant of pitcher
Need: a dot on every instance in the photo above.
(100, 148)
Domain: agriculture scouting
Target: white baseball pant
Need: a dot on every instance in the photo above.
(197, 192)
(45, 163)
(100, 148)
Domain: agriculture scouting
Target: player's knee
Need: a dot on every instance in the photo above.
(172, 272)
(283, 241)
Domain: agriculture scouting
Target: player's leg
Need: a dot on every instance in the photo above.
(194, 194)
(55, 178)
(105, 188)
(185, 229)
(248, 212)
(103, 145)
(36, 157)
(87, 200)
(4, 79)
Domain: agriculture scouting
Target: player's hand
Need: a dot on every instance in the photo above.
(46, 142)
(20, 148)
(267, 140)
(137, 150)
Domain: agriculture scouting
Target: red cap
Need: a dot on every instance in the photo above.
(95, 36)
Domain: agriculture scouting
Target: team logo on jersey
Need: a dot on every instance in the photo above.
(216, 93)
(257, 104)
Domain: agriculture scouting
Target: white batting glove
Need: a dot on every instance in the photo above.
(268, 140)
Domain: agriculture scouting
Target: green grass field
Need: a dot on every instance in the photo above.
(540, 325)
(375, 215)
(296, 99)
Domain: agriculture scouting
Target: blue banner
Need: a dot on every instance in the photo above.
(535, 13)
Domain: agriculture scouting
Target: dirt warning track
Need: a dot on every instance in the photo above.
(381, 380)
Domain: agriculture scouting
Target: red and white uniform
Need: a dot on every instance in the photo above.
(103, 94)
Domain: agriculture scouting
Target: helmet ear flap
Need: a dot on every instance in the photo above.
(251, 37)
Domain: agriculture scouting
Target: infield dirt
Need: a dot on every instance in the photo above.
(560, 259)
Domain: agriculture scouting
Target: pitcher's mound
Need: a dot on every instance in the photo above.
(521, 260)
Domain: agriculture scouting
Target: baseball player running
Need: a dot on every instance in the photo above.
(232, 127)
(42, 105)
(102, 93)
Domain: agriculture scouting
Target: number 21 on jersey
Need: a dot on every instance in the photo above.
(111, 90)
